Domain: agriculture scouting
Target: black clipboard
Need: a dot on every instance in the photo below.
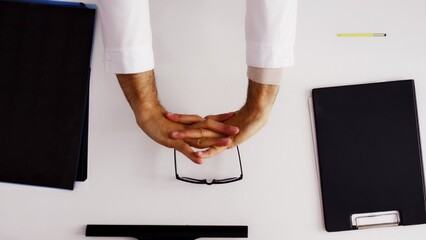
(369, 155)
(45, 55)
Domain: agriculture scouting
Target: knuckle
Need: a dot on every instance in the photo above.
(209, 122)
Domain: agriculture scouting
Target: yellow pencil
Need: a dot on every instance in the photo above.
(361, 35)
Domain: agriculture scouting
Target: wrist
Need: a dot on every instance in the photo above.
(141, 93)
(259, 103)
(260, 97)
(138, 87)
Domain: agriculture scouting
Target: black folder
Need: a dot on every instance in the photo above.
(369, 153)
(45, 54)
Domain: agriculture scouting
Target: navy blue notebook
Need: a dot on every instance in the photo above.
(369, 155)
(45, 53)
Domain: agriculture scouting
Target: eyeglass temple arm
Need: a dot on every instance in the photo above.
(239, 158)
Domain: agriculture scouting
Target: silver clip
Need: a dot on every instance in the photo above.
(375, 219)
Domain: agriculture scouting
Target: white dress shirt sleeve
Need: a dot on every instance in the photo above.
(270, 36)
(127, 35)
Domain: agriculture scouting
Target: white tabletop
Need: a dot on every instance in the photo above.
(199, 53)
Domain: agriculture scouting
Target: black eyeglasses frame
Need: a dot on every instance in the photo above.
(214, 181)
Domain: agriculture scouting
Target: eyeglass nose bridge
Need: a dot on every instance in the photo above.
(213, 181)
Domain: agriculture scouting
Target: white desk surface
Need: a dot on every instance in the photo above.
(199, 51)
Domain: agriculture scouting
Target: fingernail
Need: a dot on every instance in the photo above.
(199, 158)
(234, 129)
(169, 114)
(174, 134)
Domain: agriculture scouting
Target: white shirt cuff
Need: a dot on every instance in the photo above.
(129, 60)
(271, 76)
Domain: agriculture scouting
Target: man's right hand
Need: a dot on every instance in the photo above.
(249, 119)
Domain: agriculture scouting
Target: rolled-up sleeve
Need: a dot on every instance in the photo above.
(270, 36)
(127, 35)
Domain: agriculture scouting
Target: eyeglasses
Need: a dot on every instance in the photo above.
(214, 181)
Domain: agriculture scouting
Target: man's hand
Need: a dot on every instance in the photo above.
(249, 119)
(141, 93)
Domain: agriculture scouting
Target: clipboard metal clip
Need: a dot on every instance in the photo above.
(375, 219)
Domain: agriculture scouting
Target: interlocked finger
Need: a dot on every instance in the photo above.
(200, 141)
(195, 133)
(211, 152)
(183, 118)
(185, 149)
(221, 117)
(217, 127)
(209, 142)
